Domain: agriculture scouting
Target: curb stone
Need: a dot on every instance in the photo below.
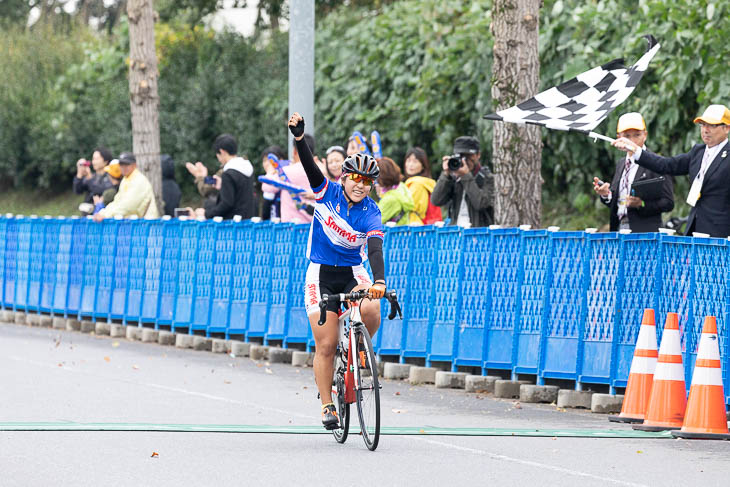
(450, 380)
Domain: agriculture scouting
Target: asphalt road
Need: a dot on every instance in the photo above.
(52, 376)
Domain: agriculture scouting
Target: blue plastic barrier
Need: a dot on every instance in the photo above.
(298, 330)
(258, 317)
(241, 284)
(396, 250)
(602, 297)
(152, 279)
(62, 268)
(77, 263)
(534, 277)
(35, 266)
(504, 296)
(136, 275)
(51, 242)
(22, 264)
(446, 302)
(120, 268)
(677, 288)
(202, 291)
(3, 244)
(10, 263)
(567, 307)
(474, 311)
(280, 281)
(420, 291)
(710, 280)
(555, 305)
(169, 263)
(222, 275)
(640, 279)
(187, 241)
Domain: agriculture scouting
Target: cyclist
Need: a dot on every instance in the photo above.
(346, 227)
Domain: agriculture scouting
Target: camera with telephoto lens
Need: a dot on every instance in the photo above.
(455, 162)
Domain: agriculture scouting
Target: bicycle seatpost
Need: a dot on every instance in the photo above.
(323, 309)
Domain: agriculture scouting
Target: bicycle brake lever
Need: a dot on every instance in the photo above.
(323, 310)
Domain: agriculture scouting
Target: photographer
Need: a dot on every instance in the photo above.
(93, 183)
(465, 186)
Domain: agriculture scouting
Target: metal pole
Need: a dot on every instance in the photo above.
(301, 63)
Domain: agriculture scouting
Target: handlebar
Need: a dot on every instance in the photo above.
(391, 296)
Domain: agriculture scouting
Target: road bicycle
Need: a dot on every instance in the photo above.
(356, 370)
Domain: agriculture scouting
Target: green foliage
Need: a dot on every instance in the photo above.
(418, 73)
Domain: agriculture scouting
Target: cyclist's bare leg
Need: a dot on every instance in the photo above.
(325, 338)
(370, 311)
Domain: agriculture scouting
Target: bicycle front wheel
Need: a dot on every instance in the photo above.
(343, 409)
(367, 391)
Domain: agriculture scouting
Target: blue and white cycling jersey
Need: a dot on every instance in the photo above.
(338, 235)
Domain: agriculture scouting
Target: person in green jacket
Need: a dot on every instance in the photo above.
(396, 202)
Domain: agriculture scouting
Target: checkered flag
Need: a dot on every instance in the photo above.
(583, 102)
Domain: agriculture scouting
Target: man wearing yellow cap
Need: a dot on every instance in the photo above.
(707, 167)
(629, 212)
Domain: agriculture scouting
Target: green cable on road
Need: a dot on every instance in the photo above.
(318, 430)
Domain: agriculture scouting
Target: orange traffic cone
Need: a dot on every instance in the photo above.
(668, 394)
(641, 375)
(705, 417)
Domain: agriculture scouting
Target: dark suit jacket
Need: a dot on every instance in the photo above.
(649, 217)
(711, 214)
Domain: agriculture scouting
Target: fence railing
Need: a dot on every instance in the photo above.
(555, 305)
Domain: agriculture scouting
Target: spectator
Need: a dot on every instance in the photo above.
(208, 187)
(236, 189)
(135, 196)
(170, 190)
(298, 209)
(420, 183)
(396, 202)
(271, 202)
(94, 184)
(627, 211)
(115, 176)
(333, 164)
(465, 186)
(707, 167)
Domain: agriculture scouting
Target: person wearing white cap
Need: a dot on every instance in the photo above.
(708, 170)
(629, 212)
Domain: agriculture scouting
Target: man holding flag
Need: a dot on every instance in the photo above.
(708, 169)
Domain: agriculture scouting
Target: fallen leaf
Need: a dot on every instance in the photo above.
(397, 393)
(60, 365)
(226, 382)
(154, 455)
(258, 364)
(399, 411)
(639, 451)
(115, 344)
(304, 387)
(107, 359)
(135, 367)
(423, 432)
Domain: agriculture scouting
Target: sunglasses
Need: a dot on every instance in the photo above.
(359, 178)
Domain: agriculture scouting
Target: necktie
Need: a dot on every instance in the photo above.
(624, 188)
(705, 164)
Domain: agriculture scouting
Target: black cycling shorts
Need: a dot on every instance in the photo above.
(326, 279)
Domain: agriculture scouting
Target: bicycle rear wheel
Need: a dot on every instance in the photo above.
(367, 391)
(343, 409)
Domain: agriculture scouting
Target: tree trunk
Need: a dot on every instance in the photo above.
(143, 97)
(517, 149)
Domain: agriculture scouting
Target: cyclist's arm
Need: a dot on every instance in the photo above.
(375, 256)
(314, 175)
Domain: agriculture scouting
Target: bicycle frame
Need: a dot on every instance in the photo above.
(352, 374)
